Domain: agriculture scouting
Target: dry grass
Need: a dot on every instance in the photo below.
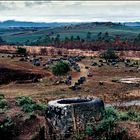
(46, 90)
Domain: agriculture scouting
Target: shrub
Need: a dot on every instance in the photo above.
(89, 129)
(3, 103)
(39, 106)
(130, 115)
(7, 128)
(1, 96)
(28, 105)
(111, 112)
(22, 100)
(106, 128)
(21, 50)
(27, 108)
(106, 124)
(109, 54)
(124, 116)
(61, 68)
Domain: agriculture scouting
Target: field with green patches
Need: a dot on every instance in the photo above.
(23, 101)
(23, 34)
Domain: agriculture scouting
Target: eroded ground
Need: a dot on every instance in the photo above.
(48, 89)
(17, 80)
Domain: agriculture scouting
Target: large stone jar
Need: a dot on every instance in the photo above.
(69, 114)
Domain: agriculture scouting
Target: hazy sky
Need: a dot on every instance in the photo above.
(70, 11)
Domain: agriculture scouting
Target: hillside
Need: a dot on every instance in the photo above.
(13, 23)
(32, 33)
(132, 24)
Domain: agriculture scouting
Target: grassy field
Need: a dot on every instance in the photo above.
(48, 89)
(24, 34)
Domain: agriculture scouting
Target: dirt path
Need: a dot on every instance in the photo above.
(83, 72)
(33, 89)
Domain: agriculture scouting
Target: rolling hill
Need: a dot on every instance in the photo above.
(32, 33)
(13, 23)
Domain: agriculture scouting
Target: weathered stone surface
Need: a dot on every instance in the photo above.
(73, 113)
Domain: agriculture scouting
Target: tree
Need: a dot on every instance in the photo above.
(43, 51)
(61, 68)
(72, 38)
(52, 52)
(21, 50)
(99, 36)
(106, 36)
(57, 38)
(47, 40)
(88, 36)
(109, 54)
(137, 40)
(27, 42)
(2, 42)
(78, 38)
(66, 39)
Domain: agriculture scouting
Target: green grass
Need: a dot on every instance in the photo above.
(21, 38)
(7, 128)
(105, 129)
(12, 36)
(28, 105)
(3, 102)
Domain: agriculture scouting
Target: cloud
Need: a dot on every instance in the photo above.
(33, 3)
(2, 7)
(50, 11)
(6, 5)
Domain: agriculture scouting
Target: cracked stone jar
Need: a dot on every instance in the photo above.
(69, 114)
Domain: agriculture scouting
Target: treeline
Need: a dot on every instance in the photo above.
(2, 42)
(102, 41)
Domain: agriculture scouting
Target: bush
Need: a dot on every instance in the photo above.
(107, 128)
(7, 128)
(124, 116)
(22, 100)
(1, 96)
(129, 115)
(3, 103)
(106, 124)
(89, 130)
(109, 54)
(27, 108)
(61, 68)
(39, 106)
(111, 112)
(28, 105)
(21, 50)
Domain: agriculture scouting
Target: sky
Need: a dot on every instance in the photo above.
(70, 11)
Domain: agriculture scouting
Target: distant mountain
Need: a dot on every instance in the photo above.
(132, 24)
(13, 23)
